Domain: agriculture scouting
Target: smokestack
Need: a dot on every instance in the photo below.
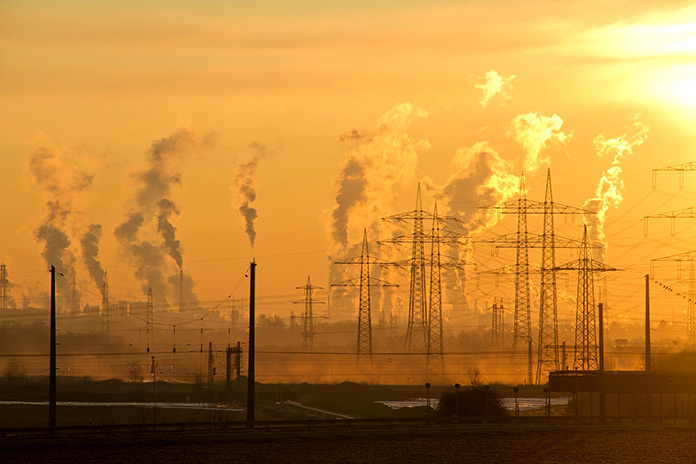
(181, 290)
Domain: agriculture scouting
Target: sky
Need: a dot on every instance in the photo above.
(141, 133)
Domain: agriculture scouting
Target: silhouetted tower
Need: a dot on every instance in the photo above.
(149, 317)
(497, 324)
(585, 318)
(680, 168)
(364, 345)
(181, 290)
(548, 301)
(690, 257)
(4, 283)
(105, 302)
(211, 365)
(522, 241)
(308, 315)
(435, 355)
(418, 327)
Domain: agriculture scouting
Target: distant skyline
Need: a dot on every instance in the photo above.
(318, 119)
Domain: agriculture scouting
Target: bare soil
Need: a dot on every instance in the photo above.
(452, 444)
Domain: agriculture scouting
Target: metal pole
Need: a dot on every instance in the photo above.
(52, 362)
(517, 404)
(648, 396)
(252, 321)
(427, 399)
(602, 393)
(647, 322)
(456, 392)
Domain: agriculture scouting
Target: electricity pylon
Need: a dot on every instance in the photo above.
(364, 345)
(149, 316)
(679, 258)
(4, 283)
(680, 168)
(418, 328)
(585, 320)
(105, 303)
(497, 324)
(548, 305)
(308, 315)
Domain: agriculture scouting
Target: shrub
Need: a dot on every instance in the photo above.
(472, 402)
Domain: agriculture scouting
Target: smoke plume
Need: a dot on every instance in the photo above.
(375, 164)
(147, 234)
(534, 132)
(90, 253)
(61, 183)
(608, 193)
(244, 180)
(494, 84)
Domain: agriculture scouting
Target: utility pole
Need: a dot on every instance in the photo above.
(364, 345)
(252, 345)
(52, 362)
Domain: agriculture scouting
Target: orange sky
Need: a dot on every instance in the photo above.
(98, 85)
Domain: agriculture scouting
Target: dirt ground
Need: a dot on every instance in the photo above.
(481, 444)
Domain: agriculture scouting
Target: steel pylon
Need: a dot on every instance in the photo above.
(435, 356)
(690, 257)
(585, 316)
(364, 343)
(308, 314)
(548, 299)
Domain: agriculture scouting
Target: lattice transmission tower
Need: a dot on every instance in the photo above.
(585, 318)
(365, 282)
(105, 304)
(497, 323)
(149, 317)
(308, 316)
(4, 283)
(419, 323)
(548, 357)
(690, 257)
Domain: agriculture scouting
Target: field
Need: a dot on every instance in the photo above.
(451, 444)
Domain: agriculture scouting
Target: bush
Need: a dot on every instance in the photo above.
(472, 402)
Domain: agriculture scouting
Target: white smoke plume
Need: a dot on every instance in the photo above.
(61, 183)
(494, 84)
(481, 178)
(244, 183)
(147, 235)
(534, 132)
(376, 163)
(609, 191)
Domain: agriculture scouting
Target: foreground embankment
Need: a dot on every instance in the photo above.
(434, 444)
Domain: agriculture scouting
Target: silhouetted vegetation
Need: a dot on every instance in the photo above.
(472, 402)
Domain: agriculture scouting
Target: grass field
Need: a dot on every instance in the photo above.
(479, 444)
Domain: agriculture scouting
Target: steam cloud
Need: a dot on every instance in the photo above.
(244, 181)
(494, 84)
(610, 187)
(153, 204)
(375, 163)
(534, 132)
(61, 182)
